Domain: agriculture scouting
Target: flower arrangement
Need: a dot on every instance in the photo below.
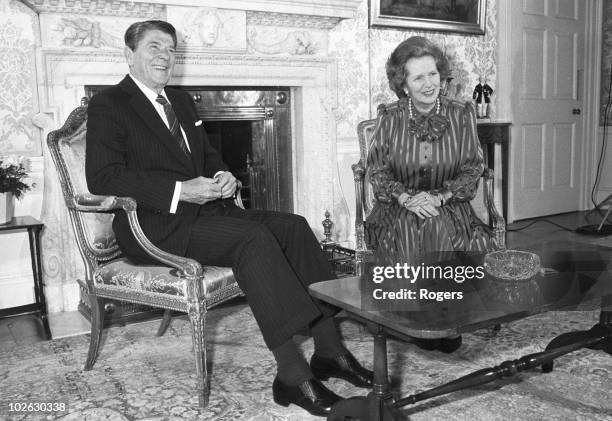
(12, 172)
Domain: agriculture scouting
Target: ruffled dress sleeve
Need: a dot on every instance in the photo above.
(384, 185)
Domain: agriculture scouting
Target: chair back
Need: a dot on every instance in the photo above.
(364, 195)
(365, 131)
(93, 231)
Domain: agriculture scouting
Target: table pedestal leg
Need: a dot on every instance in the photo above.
(600, 337)
(604, 327)
(379, 405)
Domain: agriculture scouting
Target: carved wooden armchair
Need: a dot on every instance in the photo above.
(176, 283)
(365, 196)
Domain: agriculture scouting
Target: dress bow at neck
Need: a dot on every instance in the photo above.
(428, 127)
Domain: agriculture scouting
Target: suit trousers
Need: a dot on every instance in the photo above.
(274, 256)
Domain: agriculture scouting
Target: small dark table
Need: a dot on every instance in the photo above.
(491, 133)
(34, 227)
(577, 273)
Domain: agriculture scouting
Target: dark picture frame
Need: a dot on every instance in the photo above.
(460, 16)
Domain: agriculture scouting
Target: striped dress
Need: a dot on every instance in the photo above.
(436, 153)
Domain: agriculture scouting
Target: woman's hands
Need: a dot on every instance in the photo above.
(423, 204)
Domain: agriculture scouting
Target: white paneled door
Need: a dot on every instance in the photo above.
(547, 68)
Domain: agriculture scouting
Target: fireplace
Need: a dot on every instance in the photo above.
(273, 55)
(251, 128)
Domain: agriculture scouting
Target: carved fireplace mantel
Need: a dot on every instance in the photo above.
(279, 10)
(256, 43)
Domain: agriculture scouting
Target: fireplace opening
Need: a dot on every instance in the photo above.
(251, 128)
(234, 141)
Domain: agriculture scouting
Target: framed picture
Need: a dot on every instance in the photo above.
(462, 16)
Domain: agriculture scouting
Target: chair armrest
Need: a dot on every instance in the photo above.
(358, 176)
(238, 198)
(497, 221)
(92, 203)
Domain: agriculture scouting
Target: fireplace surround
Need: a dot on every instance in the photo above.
(274, 46)
(251, 128)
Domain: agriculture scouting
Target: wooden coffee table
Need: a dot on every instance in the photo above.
(577, 273)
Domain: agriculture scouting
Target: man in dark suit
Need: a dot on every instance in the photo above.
(145, 140)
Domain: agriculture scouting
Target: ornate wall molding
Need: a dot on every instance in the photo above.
(329, 12)
(342, 9)
(291, 20)
(100, 7)
(251, 60)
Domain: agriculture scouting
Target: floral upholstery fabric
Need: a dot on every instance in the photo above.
(158, 279)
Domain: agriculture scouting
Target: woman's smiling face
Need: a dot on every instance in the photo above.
(153, 59)
(423, 82)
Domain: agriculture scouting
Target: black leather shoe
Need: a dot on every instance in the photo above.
(343, 367)
(446, 345)
(311, 395)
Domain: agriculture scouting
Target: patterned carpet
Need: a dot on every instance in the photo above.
(139, 376)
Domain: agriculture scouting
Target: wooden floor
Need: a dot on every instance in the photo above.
(543, 231)
(27, 329)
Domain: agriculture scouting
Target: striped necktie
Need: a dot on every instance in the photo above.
(173, 123)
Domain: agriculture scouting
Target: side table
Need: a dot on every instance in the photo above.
(492, 133)
(34, 228)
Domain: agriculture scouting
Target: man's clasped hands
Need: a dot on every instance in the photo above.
(201, 190)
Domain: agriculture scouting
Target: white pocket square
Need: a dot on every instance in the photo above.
(198, 123)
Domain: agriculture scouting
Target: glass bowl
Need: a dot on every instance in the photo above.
(512, 265)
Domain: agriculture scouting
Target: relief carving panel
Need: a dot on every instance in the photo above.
(74, 31)
(286, 41)
(207, 29)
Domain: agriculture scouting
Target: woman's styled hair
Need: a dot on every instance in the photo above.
(413, 47)
(137, 30)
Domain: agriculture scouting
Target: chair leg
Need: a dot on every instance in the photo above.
(165, 323)
(197, 317)
(97, 324)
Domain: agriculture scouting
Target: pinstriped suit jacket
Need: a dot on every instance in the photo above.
(131, 152)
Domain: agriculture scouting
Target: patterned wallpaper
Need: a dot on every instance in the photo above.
(18, 99)
(362, 53)
(606, 61)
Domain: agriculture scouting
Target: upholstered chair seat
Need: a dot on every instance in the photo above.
(123, 277)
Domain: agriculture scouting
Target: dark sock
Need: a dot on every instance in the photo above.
(327, 341)
(292, 368)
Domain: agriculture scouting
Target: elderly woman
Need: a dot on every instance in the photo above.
(424, 163)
